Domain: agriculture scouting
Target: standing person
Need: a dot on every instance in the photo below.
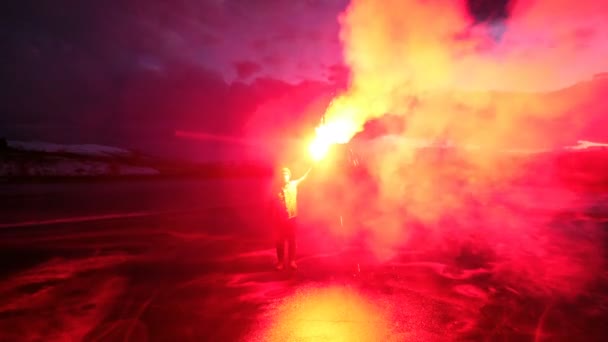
(285, 198)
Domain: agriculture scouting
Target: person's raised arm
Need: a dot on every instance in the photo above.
(301, 179)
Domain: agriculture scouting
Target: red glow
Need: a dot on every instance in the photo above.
(333, 313)
(490, 99)
(213, 137)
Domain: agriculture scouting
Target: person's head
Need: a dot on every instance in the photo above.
(285, 175)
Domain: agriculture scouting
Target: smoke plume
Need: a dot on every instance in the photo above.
(489, 88)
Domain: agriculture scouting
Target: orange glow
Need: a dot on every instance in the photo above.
(453, 71)
(452, 81)
(328, 314)
(339, 131)
(318, 149)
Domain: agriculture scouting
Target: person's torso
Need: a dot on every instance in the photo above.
(288, 196)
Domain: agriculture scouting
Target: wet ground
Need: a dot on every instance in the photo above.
(206, 274)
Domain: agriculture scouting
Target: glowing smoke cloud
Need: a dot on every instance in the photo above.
(424, 61)
(398, 50)
(428, 52)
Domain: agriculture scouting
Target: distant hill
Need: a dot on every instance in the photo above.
(81, 150)
(21, 160)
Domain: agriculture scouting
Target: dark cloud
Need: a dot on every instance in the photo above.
(276, 60)
(314, 35)
(144, 107)
(338, 74)
(304, 66)
(287, 33)
(260, 45)
(127, 73)
(131, 72)
(246, 69)
(484, 11)
(210, 39)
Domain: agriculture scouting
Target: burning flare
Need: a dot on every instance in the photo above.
(338, 131)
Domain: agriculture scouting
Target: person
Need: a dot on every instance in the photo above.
(285, 212)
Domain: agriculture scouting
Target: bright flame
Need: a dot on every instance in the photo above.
(338, 131)
(318, 149)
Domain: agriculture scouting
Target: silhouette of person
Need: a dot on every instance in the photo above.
(285, 198)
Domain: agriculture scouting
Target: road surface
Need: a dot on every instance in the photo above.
(192, 261)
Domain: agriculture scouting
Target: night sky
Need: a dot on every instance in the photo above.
(130, 73)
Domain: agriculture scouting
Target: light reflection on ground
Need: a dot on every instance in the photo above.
(207, 276)
(331, 313)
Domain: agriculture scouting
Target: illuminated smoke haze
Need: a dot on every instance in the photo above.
(488, 88)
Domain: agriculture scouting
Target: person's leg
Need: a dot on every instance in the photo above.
(280, 244)
(291, 240)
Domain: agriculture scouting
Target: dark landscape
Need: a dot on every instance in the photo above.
(192, 259)
(441, 165)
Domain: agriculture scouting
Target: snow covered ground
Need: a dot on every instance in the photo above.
(83, 162)
(71, 168)
(85, 150)
(584, 145)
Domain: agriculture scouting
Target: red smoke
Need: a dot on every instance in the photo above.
(490, 99)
